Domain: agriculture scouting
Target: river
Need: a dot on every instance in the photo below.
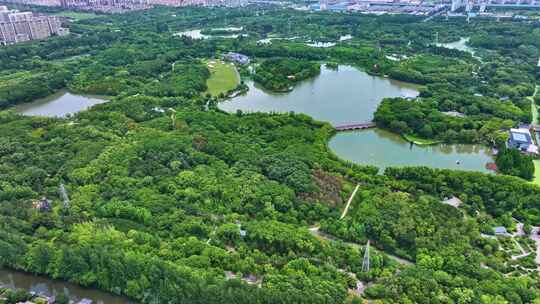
(59, 104)
(348, 95)
(48, 287)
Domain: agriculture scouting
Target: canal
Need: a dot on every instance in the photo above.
(348, 95)
(48, 287)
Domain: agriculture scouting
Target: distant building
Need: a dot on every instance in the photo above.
(454, 114)
(453, 201)
(237, 58)
(521, 139)
(106, 6)
(43, 205)
(18, 27)
(500, 230)
(36, 2)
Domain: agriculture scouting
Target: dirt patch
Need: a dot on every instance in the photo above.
(330, 188)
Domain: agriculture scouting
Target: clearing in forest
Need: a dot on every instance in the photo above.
(223, 77)
(77, 16)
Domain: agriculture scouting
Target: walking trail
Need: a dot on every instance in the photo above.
(349, 202)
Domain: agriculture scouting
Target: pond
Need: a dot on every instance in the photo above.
(342, 96)
(197, 33)
(347, 96)
(386, 149)
(48, 287)
(460, 45)
(59, 104)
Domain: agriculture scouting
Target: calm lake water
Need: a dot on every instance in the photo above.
(342, 96)
(349, 95)
(460, 45)
(59, 104)
(44, 286)
(385, 149)
(197, 33)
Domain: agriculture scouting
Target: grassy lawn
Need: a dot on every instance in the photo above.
(76, 15)
(223, 78)
(420, 141)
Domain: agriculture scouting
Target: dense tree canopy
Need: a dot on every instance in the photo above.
(174, 201)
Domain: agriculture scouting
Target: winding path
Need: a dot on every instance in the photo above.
(349, 202)
(315, 230)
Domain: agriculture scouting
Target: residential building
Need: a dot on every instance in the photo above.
(106, 6)
(36, 2)
(18, 26)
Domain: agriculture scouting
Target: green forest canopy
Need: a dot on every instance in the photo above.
(158, 203)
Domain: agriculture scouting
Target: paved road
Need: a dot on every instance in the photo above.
(535, 237)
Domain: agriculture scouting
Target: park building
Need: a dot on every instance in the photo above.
(237, 58)
(521, 139)
(18, 27)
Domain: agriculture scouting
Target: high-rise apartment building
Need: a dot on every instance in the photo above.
(24, 26)
(108, 6)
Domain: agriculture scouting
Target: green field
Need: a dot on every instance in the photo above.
(76, 15)
(224, 77)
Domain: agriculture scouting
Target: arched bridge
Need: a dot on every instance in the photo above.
(358, 126)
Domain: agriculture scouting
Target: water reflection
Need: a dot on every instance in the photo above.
(44, 286)
(342, 96)
(59, 104)
(385, 149)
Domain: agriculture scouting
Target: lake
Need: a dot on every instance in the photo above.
(460, 45)
(48, 287)
(386, 149)
(197, 33)
(342, 96)
(59, 104)
(348, 95)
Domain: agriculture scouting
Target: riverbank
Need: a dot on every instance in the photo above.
(44, 287)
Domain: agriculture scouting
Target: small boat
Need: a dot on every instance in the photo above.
(458, 162)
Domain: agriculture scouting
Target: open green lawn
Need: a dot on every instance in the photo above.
(223, 78)
(420, 141)
(76, 15)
